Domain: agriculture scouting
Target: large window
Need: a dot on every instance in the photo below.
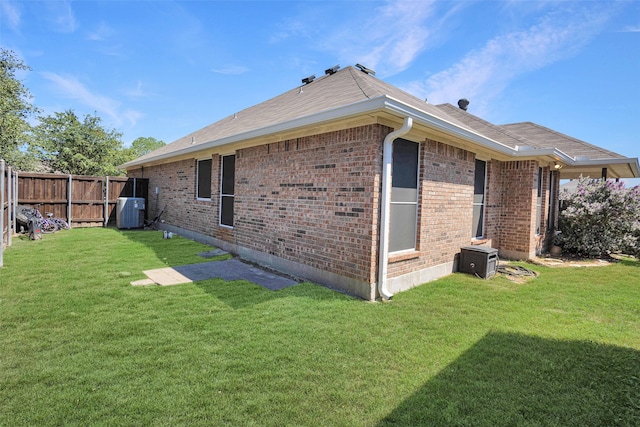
(203, 185)
(551, 223)
(539, 203)
(404, 196)
(479, 198)
(227, 190)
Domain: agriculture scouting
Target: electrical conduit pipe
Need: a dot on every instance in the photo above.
(387, 162)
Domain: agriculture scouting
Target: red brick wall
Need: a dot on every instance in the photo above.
(313, 200)
(493, 203)
(176, 184)
(518, 206)
(445, 208)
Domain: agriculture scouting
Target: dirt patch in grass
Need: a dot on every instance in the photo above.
(573, 261)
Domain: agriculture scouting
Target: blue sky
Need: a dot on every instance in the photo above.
(165, 68)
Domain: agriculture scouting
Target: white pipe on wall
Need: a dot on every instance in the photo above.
(387, 163)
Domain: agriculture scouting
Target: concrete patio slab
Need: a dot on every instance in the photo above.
(231, 269)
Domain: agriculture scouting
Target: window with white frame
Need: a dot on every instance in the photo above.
(404, 196)
(203, 183)
(227, 190)
(479, 198)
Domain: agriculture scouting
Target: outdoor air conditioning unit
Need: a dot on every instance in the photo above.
(130, 212)
(480, 261)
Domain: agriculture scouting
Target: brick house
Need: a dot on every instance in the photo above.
(355, 184)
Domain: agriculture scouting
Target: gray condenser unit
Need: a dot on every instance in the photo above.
(130, 212)
(480, 261)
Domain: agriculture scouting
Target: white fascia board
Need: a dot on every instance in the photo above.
(632, 162)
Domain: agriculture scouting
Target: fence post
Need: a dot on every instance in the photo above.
(15, 201)
(69, 200)
(106, 201)
(12, 218)
(2, 194)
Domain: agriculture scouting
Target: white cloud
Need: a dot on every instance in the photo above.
(72, 88)
(231, 70)
(10, 14)
(137, 92)
(486, 72)
(101, 33)
(385, 37)
(389, 38)
(60, 15)
(631, 29)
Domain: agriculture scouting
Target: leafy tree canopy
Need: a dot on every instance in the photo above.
(143, 145)
(68, 145)
(15, 109)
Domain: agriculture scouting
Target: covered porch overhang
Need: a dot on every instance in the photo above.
(601, 168)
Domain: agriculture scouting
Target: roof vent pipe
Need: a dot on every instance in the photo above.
(387, 162)
(463, 104)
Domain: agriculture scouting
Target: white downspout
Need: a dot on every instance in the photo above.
(385, 206)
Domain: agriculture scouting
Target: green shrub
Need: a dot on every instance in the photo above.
(600, 218)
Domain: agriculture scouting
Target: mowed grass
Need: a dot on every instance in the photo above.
(80, 346)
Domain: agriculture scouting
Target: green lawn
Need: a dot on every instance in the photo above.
(80, 346)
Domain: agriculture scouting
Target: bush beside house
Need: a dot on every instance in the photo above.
(601, 217)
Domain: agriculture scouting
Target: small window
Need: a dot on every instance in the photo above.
(479, 193)
(227, 190)
(404, 196)
(203, 190)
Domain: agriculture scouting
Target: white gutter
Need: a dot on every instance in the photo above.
(387, 159)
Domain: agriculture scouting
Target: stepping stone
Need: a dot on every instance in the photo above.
(167, 276)
(143, 282)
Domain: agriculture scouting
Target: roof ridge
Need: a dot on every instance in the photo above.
(353, 72)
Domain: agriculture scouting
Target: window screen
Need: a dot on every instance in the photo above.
(203, 190)
(227, 190)
(479, 194)
(539, 203)
(404, 196)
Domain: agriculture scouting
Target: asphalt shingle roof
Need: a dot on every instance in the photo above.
(347, 86)
(542, 137)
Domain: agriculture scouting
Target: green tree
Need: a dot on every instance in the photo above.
(143, 145)
(69, 145)
(15, 109)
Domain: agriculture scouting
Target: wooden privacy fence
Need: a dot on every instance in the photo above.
(82, 201)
